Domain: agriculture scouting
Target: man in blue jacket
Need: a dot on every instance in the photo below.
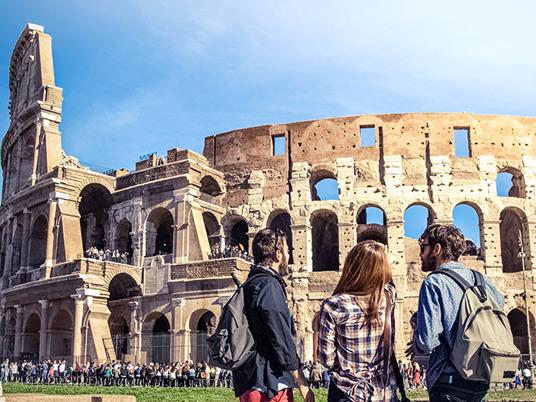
(272, 372)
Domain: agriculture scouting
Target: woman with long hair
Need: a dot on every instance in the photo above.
(352, 326)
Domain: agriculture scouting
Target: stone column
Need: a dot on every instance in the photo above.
(2, 330)
(395, 243)
(347, 233)
(36, 150)
(25, 247)
(43, 330)
(77, 326)
(177, 324)
(49, 259)
(9, 252)
(491, 249)
(135, 328)
(181, 227)
(18, 330)
(302, 243)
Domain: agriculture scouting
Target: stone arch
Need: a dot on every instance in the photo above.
(95, 200)
(123, 286)
(280, 219)
(323, 183)
(517, 182)
(468, 217)
(159, 232)
(202, 324)
(212, 228)
(518, 325)
(38, 242)
(210, 186)
(420, 215)
(123, 237)
(119, 330)
(236, 232)
(30, 335)
(325, 240)
(513, 222)
(60, 334)
(17, 249)
(157, 338)
(26, 161)
(371, 223)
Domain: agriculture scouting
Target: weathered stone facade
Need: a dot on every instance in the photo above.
(171, 211)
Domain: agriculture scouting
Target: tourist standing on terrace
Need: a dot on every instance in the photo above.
(274, 370)
(353, 324)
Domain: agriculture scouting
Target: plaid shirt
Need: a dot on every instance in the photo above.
(353, 351)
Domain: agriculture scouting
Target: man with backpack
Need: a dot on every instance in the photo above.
(257, 322)
(462, 363)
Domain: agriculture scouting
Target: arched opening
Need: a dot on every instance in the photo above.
(61, 333)
(161, 340)
(324, 186)
(325, 233)
(38, 242)
(513, 224)
(417, 218)
(159, 232)
(210, 186)
(123, 286)
(212, 228)
(283, 222)
(239, 236)
(203, 324)
(17, 247)
(510, 183)
(30, 337)
(26, 162)
(123, 239)
(468, 220)
(95, 200)
(371, 224)
(119, 331)
(518, 325)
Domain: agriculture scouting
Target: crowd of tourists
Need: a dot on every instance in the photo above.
(229, 252)
(107, 255)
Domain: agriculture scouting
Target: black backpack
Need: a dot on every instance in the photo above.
(232, 343)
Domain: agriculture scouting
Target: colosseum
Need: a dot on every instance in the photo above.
(163, 295)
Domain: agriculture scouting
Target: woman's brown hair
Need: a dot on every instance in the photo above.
(366, 271)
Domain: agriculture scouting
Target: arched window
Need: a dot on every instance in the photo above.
(212, 227)
(17, 246)
(26, 162)
(38, 242)
(371, 224)
(282, 222)
(210, 186)
(325, 233)
(324, 186)
(513, 224)
(510, 183)
(417, 218)
(239, 236)
(123, 239)
(467, 219)
(518, 325)
(123, 286)
(95, 200)
(159, 232)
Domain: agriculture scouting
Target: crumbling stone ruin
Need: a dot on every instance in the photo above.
(171, 213)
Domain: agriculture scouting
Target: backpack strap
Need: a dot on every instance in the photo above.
(455, 277)
(479, 287)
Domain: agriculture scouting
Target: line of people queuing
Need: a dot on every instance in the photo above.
(107, 255)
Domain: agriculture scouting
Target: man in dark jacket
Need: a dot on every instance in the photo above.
(272, 372)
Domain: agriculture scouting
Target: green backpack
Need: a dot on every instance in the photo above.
(484, 347)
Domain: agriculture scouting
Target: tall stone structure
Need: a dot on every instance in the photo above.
(172, 212)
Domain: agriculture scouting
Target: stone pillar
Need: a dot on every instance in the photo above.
(2, 331)
(36, 150)
(177, 324)
(135, 328)
(491, 249)
(181, 228)
(18, 330)
(43, 330)
(49, 258)
(9, 253)
(347, 233)
(77, 326)
(302, 243)
(397, 248)
(25, 247)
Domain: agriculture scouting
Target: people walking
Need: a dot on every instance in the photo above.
(357, 328)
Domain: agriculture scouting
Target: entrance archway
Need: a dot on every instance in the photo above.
(202, 324)
(30, 337)
(518, 325)
(161, 340)
(61, 335)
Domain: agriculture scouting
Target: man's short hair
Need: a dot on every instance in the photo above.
(449, 237)
(265, 243)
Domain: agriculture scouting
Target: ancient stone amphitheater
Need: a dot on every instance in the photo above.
(172, 212)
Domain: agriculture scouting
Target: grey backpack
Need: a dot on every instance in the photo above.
(232, 343)
(484, 347)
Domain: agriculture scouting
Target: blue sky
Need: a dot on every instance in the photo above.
(143, 76)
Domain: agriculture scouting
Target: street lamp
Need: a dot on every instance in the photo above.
(527, 314)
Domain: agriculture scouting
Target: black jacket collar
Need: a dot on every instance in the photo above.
(263, 270)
